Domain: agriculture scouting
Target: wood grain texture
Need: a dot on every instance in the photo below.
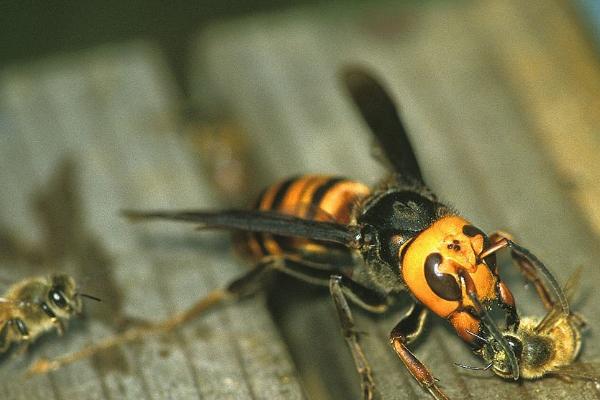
(501, 100)
(81, 139)
(465, 89)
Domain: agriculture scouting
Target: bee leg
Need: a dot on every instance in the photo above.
(21, 330)
(213, 298)
(23, 347)
(4, 342)
(58, 324)
(245, 285)
(337, 286)
(409, 327)
(528, 270)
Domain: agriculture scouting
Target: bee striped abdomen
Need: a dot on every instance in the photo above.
(315, 197)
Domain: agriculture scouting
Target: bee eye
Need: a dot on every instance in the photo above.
(57, 298)
(515, 345)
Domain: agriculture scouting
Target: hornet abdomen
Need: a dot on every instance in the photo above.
(314, 197)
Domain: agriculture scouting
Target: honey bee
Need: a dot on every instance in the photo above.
(543, 346)
(34, 306)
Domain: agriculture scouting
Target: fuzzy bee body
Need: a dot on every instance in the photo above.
(547, 350)
(35, 306)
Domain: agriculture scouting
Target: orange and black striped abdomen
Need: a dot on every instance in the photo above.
(316, 197)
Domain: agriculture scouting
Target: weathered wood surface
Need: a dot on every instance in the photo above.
(501, 98)
(82, 138)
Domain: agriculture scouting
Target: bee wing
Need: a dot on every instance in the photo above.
(573, 283)
(587, 371)
(557, 312)
(256, 221)
(382, 117)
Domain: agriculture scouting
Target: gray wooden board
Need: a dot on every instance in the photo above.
(278, 76)
(82, 137)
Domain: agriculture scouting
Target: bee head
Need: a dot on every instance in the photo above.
(499, 358)
(63, 296)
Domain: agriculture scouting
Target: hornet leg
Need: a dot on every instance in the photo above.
(409, 327)
(245, 285)
(338, 285)
(528, 270)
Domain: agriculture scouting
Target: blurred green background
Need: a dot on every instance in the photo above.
(34, 29)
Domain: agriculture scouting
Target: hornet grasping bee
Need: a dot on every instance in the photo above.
(545, 345)
(371, 246)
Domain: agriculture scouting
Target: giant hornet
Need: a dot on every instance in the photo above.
(371, 246)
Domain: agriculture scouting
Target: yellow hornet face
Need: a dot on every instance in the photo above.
(431, 264)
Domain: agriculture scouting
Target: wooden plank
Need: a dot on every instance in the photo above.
(589, 12)
(561, 98)
(464, 75)
(454, 71)
(82, 137)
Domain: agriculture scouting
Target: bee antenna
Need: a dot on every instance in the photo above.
(89, 296)
(470, 367)
(484, 340)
